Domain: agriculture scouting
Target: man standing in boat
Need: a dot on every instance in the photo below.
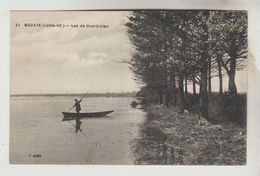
(78, 109)
(77, 105)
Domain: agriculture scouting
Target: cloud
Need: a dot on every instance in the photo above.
(28, 35)
(46, 35)
(47, 60)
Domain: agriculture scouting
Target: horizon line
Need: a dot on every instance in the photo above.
(127, 92)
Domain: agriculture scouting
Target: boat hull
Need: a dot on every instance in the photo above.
(73, 116)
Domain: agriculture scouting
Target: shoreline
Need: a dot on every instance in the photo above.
(170, 138)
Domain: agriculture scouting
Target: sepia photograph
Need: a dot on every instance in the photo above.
(129, 87)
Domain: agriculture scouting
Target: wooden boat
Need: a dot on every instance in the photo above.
(73, 116)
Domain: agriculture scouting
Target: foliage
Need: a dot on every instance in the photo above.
(171, 47)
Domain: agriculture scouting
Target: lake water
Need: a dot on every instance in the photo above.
(38, 135)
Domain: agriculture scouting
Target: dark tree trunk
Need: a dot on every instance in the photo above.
(166, 91)
(164, 101)
(203, 86)
(174, 93)
(156, 97)
(160, 93)
(167, 97)
(186, 86)
(204, 70)
(209, 77)
(194, 86)
(200, 88)
(232, 85)
(231, 81)
(173, 90)
(181, 94)
(220, 77)
(170, 89)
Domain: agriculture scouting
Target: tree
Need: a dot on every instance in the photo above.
(177, 47)
(230, 33)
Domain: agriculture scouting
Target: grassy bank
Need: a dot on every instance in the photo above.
(181, 139)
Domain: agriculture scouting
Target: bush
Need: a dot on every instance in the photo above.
(221, 108)
(228, 108)
(134, 104)
(235, 108)
(192, 103)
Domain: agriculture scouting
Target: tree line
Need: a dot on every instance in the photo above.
(175, 48)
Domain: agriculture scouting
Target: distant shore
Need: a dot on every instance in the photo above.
(112, 94)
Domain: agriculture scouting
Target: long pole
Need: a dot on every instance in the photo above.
(83, 96)
(80, 100)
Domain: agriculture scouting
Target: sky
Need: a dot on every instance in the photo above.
(74, 59)
(70, 60)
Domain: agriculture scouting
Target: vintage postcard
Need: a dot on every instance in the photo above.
(132, 87)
